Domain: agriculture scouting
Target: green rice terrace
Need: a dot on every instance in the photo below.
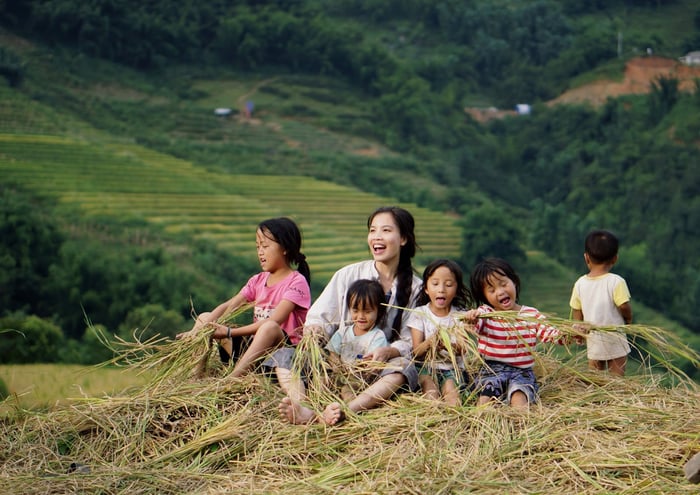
(129, 181)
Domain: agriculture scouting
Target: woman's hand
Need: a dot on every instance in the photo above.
(317, 333)
(186, 335)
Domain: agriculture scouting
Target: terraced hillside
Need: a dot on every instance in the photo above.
(124, 180)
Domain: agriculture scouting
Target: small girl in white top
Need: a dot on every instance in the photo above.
(444, 294)
(350, 354)
(350, 344)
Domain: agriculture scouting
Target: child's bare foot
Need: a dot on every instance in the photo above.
(295, 413)
(333, 414)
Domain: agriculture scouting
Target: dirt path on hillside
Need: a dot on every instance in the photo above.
(640, 74)
(245, 114)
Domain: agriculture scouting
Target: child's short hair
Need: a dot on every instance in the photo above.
(368, 294)
(601, 246)
(483, 270)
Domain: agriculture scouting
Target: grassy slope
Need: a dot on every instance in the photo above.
(40, 385)
(128, 181)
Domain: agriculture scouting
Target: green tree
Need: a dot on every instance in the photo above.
(152, 320)
(29, 242)
(662, 98)
(558, 232)
(12, 67)
(29, 339)
(488, 231)
(95, 345)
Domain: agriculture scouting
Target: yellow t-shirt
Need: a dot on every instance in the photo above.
(598, 298)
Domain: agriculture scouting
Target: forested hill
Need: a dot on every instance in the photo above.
(398, 75)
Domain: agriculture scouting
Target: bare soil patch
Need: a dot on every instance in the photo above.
(640, 74)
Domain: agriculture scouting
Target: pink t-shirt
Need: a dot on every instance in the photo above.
(293, 288)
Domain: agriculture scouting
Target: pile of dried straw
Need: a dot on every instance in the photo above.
(591, 433)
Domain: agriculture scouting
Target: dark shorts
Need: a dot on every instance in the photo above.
(281, 358)
(239, 345)
(500, 381)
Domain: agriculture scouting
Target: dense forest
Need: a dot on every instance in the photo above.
(539, 182)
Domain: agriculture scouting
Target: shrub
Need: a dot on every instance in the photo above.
(12, 67)
(4, 391)
(29, 339)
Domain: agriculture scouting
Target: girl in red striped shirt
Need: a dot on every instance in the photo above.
(506, 345)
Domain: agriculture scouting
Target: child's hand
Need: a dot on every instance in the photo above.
(469, 316)
(582, 329)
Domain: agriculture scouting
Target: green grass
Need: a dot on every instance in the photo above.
(38, 386)
(610, 71)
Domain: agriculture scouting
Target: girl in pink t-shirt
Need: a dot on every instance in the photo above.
(280, 294)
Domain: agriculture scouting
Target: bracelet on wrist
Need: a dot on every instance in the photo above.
(228, 332)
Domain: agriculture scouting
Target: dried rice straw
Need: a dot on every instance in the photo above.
(590, 433)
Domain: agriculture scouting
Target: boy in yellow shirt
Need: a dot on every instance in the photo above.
(602, 298)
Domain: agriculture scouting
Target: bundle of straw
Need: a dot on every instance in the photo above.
(167, 359)
(655, 346)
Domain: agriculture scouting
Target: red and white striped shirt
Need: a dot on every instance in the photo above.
(512, 341)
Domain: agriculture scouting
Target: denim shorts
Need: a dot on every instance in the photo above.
(500, 381)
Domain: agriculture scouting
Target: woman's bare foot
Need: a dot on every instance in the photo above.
(295, 413)
(333, 414)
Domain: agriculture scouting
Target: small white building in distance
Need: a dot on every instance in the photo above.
(222, 112)
(691, 58)
(523, 109)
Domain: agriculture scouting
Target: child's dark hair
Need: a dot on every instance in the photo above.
(601, 246)
(404, 275)
(286, 233)
(483, 270)
(367, 294)
(463, 298)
